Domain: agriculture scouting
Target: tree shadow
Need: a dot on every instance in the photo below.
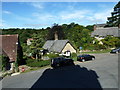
(68, 77)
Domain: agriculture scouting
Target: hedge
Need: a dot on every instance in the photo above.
(74, 56)
(39, 64)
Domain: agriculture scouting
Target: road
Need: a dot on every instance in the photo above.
(100, 73)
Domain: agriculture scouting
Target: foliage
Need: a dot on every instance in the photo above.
(56, 29)
(4, 60)
(74, 56)
(97, 51)
(52, 55)
(78, 35)
(39, 64)
(0, 62)
(38, 41)
(90, 27)
(110, 42)
(114, 20)
(99, 47)
(29, 60)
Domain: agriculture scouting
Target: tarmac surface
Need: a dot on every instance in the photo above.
(99, 73)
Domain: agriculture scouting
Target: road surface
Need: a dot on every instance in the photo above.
(100, 73)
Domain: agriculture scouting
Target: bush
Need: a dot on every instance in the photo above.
(74, 56)
(4, 61)
(99, 47)
(30, 61)
(39, 64)
(52, 55)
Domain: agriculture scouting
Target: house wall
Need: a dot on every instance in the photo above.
(99, 38)
(29, 42)
(69, 47)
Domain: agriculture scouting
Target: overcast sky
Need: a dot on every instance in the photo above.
(45, 14)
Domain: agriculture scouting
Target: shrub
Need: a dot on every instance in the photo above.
(39, 64)
(4, 61)
(30, 61)
(52, 55)
(74, 56)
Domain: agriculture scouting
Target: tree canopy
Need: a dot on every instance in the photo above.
(114, 20)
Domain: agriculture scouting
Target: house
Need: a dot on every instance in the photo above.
(29, 41)
(59, 46)
(10, 46)
(100, 32)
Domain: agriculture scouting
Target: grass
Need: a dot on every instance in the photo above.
(96, 52)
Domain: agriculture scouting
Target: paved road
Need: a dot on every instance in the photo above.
(100, 73)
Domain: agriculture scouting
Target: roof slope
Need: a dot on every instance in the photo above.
(8, 43)
(2, 52)
(106, 31)
(55, 45)
(48, 44)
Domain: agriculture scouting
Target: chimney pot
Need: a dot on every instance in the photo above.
(95, 27)
(56, 35)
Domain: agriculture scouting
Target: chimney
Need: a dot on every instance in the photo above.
(95, 27)
(56, 35)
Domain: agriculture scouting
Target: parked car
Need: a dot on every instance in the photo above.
(85, 57)
(61, 61)
(117, 50)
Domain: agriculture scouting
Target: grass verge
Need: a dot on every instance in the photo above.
(96, 52)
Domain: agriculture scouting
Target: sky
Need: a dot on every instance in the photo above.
(45, 14)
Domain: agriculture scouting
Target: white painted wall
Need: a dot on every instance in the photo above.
(69, 47)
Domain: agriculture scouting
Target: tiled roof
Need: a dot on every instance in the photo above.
(8, 43)
(55, 45)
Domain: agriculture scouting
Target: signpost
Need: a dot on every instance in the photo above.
(80, 49)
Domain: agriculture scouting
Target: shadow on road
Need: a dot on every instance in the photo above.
(68, 77)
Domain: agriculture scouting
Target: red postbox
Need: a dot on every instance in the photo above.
(23, 69)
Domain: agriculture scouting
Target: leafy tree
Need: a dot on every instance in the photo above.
(90, 27)
(114, 20)
(37, 43)
(4, 62)
(110, 41)
(56, 29)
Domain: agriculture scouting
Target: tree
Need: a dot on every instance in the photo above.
(55, 30)
(4, 60)
(36, 45)
(114, 20)
(110, 41)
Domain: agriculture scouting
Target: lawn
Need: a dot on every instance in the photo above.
(95, 52)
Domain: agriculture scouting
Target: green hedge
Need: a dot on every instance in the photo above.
(39, 64)
(4, 60)
(52, 55)
(74, 56)
(29, 60)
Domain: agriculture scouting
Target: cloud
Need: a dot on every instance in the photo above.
(3, 23)
(7, 12)
(43, 17)
(37, 5)
(70, 14)
(78, 14)
(99, 17)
